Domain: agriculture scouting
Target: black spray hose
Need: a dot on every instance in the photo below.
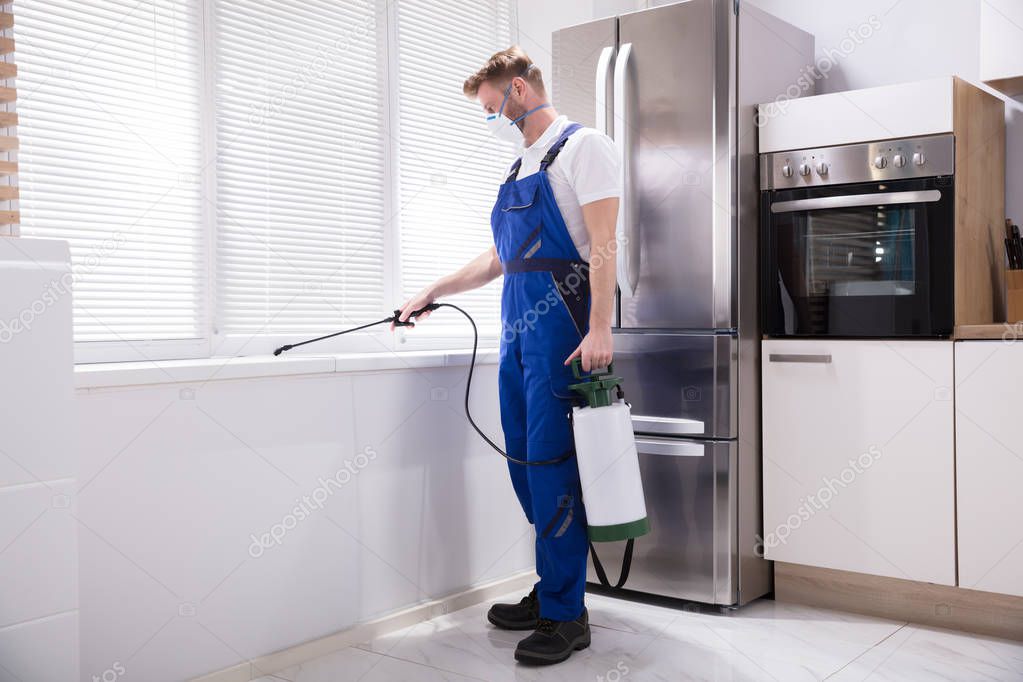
(468, 381)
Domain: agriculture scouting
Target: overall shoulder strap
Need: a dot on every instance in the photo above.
(555, 149)
(514, 170)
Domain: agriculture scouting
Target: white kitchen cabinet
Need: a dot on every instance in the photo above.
(885, 112)
(1001, 38)
(989, 465)
(858, 456)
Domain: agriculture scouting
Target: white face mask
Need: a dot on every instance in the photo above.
(506, 129)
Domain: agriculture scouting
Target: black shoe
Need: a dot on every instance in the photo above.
(521, 616)
(554, 640)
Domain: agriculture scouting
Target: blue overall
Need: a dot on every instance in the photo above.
(544, 315)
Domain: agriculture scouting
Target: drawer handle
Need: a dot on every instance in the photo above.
(800, 357)
(674, 426)
(648, 446)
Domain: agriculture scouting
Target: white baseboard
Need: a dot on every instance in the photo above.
(273, 663)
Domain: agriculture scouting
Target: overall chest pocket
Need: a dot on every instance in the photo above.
(519, 199)
(517, 219)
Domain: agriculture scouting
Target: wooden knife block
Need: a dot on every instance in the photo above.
(1014, 296)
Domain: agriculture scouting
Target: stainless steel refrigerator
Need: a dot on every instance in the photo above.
(676, 87)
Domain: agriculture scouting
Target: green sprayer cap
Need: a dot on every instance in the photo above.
(596, 386)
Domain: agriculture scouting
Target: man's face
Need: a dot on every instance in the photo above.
(491, 95)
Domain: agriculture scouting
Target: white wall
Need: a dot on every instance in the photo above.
(177, 477)
(38, 530)
(915, 39)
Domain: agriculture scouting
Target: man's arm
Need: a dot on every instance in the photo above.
(596, 349)
(481, 270)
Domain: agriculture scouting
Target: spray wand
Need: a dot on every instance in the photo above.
(396, 319)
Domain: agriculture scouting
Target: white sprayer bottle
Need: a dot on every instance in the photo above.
(608, 463)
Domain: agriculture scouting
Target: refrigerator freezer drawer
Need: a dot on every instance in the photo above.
(690, 552)
(679, 384)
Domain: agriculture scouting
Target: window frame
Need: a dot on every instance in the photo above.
(215, 344)
(120, 349)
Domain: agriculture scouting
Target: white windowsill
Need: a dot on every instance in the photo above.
(111, 374)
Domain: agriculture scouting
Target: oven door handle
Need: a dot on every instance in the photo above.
(927, 196)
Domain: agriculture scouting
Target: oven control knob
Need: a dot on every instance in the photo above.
(899, 160)
(880, 161)
(804, 169)
(822, 168)
(919, 158)
(786, 170)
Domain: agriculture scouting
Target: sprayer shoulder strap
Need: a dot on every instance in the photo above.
(626, 565)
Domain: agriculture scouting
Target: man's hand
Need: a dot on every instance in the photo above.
(484, 268)
(596, 349)
(420, 300)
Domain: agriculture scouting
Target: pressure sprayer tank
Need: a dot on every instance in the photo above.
(608, 463)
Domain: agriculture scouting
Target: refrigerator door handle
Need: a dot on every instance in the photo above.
(672, 426)
(628, 245)
(600, 89)
(674, 448)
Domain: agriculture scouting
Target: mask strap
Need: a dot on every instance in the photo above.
(536, 108)
(500, 110)
(507, 92)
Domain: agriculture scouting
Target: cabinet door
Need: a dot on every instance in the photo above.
(989, 465)
(858, 456)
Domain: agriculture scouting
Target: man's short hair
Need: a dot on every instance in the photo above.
(501, 68)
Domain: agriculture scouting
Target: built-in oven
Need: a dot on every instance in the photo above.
(857, 240)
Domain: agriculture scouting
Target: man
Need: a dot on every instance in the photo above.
(557, 206)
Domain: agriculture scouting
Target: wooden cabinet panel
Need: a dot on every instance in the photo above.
(858, 456)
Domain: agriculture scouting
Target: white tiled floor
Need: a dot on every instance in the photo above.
(766, 640)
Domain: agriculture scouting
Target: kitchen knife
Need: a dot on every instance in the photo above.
(1017, 246)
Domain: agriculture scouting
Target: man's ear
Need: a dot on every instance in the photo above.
(522, 86)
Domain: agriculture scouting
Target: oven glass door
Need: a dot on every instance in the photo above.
(860, 260)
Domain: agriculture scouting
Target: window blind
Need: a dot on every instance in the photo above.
(450, 166)
(109, 105)
(300, 171)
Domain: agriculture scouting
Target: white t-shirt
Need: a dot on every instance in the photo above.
(586, 169)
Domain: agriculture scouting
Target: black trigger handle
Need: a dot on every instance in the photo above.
(409, 323)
